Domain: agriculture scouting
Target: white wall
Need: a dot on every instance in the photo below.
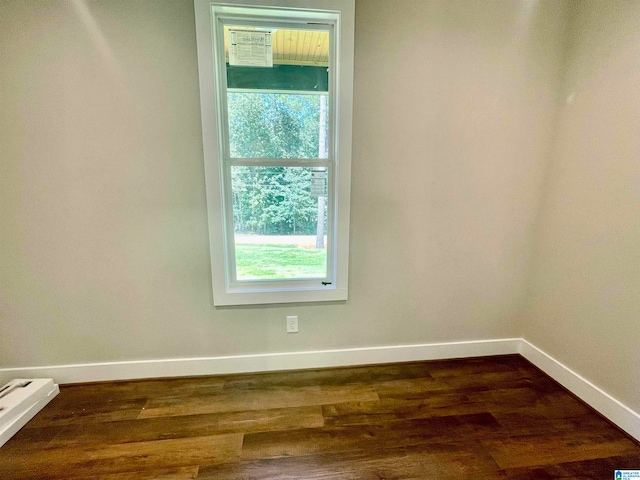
(584, 306)
(103, 238)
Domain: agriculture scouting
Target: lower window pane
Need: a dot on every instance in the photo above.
(279, 219)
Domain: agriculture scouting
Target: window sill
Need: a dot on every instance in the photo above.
(234, 298)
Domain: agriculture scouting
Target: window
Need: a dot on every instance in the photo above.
(276, 93)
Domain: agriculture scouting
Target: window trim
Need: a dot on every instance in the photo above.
(341, 12)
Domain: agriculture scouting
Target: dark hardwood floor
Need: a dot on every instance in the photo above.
(480, 418)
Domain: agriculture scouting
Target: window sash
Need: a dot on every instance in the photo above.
(229, 236)
(227, 162)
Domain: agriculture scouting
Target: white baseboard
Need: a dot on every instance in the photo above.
(598, 399)
(267, 362)
(604, 403)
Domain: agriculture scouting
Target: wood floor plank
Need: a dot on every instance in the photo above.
(87, 411)
(473, 366)
(592, 469)
(330, 376)
(442, 461)
(108, 402)
(530, 421)
(178, 473)
(554, 403)
(133, 389)
(423, 387)
(395, 409)
(534, 450)
(258, 400)
(108, 459)
(162, 428)
(30, 439)
(364, 437)
(489, 381)
(444, 403)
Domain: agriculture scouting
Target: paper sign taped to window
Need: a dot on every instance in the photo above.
(318, 183)
(250, 48)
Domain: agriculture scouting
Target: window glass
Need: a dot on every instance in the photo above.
(276, 125)
(279, 222)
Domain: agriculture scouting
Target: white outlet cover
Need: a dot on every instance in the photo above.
(292, 324)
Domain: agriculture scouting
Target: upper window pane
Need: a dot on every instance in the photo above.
(277, 92)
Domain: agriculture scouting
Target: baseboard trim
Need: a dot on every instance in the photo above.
(611, 408)
(267, 362)
(605, 404)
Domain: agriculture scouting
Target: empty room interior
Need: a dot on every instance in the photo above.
(478, 311)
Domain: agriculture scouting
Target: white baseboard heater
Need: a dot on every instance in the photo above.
(20, 400)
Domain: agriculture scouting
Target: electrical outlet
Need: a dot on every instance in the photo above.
(292, 324)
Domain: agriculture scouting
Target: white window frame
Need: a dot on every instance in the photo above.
(339, 14)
